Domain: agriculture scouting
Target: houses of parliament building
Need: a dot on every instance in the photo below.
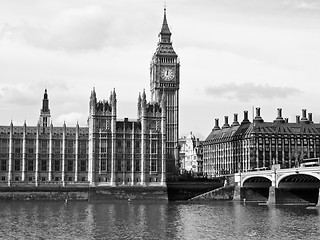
(108, 151)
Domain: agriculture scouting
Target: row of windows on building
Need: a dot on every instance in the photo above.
(70, 146)
(105, 165)
(43, 165)
(81, 178)
(43, 178)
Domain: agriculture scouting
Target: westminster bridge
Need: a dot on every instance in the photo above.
(298, 185)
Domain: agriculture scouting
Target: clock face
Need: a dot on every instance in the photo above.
(167, 74)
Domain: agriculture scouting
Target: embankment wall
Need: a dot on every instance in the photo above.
(84, 193)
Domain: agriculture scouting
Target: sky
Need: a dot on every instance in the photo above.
(235, 56)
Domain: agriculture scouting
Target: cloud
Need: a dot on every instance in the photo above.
(247, 91)
(304, 4)
(71, 119)
(81, 27)
(16, 95)
(72, 30)
(23, 94)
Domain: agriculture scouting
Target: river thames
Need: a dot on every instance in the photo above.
(155, 220)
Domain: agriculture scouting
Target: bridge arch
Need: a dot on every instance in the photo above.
(256, 177)
(282, 177)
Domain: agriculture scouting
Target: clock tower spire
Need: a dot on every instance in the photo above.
(165, 33)
(164, 84)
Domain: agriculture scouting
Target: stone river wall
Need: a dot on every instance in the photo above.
(84, 193)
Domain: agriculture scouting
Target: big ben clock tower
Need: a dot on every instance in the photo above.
(165, 80)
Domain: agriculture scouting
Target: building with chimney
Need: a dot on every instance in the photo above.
(248, 146)
(109, 151)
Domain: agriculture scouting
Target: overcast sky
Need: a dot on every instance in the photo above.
(235, 55)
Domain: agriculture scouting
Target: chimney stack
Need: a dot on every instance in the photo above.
(245, 117)
(297, 119)
(310, 117)
(258, 118)
(279, 112)
(304, 118)
(258, 112)
(216, 126)
(279, 118)
(235, 120)
(226, 124)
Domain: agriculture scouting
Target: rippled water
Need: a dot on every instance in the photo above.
(136, 220)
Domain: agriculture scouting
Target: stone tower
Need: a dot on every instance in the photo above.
(165, 80)
(45, 111)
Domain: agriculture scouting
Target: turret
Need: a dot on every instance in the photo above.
(38, 129)
(110, 97)
(25, 127)
(139, 106)
(51, 130)
(11, 128)
(104, 105)
(144, 98)
(93, 102)
(114, 103)
(144, 104)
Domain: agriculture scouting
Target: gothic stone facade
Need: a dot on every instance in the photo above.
(130, 151)
(108, 151)
(251, 146)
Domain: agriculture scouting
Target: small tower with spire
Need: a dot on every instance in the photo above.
(45, 116)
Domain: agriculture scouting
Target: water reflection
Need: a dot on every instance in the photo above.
(137, 220)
